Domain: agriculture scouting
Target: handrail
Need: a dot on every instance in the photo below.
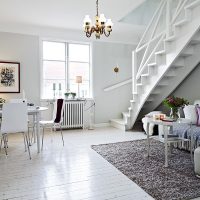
(158, 9)
(152, 53)
(117, 85)
(143, 59)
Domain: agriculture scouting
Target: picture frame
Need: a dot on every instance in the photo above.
(9, 77)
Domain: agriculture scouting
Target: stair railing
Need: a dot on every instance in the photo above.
(159, 29)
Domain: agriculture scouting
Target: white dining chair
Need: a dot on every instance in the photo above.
(57, 119)
(31, 123)
(14, 120)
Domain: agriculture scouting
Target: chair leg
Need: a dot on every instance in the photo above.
(25, 149)
(62, 135)
(33, 134)
(29, 139)
(1, 143)
(42, 138)
(5, 144)
(27, 142)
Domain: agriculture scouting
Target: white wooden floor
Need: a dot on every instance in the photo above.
(73, 172)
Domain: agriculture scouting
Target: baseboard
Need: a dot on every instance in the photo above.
(102, 125)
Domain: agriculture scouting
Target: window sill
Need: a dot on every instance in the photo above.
(51, 100)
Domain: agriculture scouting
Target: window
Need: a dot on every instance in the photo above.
(62, 62)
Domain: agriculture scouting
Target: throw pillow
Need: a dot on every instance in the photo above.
(198, 115)
(190, 113)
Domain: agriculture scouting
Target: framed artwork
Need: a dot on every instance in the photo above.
(9, 77)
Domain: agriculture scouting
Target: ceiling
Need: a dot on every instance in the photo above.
(68, 15)
(142, 14)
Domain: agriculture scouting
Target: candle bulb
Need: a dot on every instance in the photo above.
(54, 86)
(59, 86)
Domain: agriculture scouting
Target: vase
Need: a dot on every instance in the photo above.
(174, 113)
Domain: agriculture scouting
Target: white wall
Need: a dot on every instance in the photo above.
(25, 49)
(109, 105)
(190, 87)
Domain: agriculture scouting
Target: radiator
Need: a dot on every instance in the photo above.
(73, 116)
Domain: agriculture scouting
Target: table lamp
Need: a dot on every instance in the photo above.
(78, 81)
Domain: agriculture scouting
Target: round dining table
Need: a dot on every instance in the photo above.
(35, 111)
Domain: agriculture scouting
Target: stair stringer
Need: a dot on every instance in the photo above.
(190, 63)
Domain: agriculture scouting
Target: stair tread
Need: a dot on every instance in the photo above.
(119, 121)
(145, 75)
(181, 22)
(171, 38)
(160, 52)
(152, 64)
(192, 4)
(132, 101)
(125, 113)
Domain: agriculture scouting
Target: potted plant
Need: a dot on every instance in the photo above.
(73, 95)
(67, 94)
(174, 103)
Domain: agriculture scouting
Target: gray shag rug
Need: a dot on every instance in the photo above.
(176, 182)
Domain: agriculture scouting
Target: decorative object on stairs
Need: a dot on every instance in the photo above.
(174, 103)
(102, 25)
(197, 162)
(176, 182)
(78, 81)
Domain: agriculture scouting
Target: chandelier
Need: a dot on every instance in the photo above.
(102, 25)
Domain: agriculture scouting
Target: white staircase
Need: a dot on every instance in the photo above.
(167, 52)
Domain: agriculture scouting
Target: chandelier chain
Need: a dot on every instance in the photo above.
(97, 5)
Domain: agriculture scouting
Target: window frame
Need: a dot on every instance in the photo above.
(67, 61)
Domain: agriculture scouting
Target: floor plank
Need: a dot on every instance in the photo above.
(72, 172)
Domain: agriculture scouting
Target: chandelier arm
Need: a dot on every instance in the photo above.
(87, 34)
(107, 34)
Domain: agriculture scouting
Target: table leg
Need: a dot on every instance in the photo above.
(191, 142)
(38, 131)
(166, 146)
(148, 141)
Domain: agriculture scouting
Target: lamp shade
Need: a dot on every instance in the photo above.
(87, 19)
(78, 79)
(102, 18)
(109, 22)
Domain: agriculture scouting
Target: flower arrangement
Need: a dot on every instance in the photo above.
(174, 103)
